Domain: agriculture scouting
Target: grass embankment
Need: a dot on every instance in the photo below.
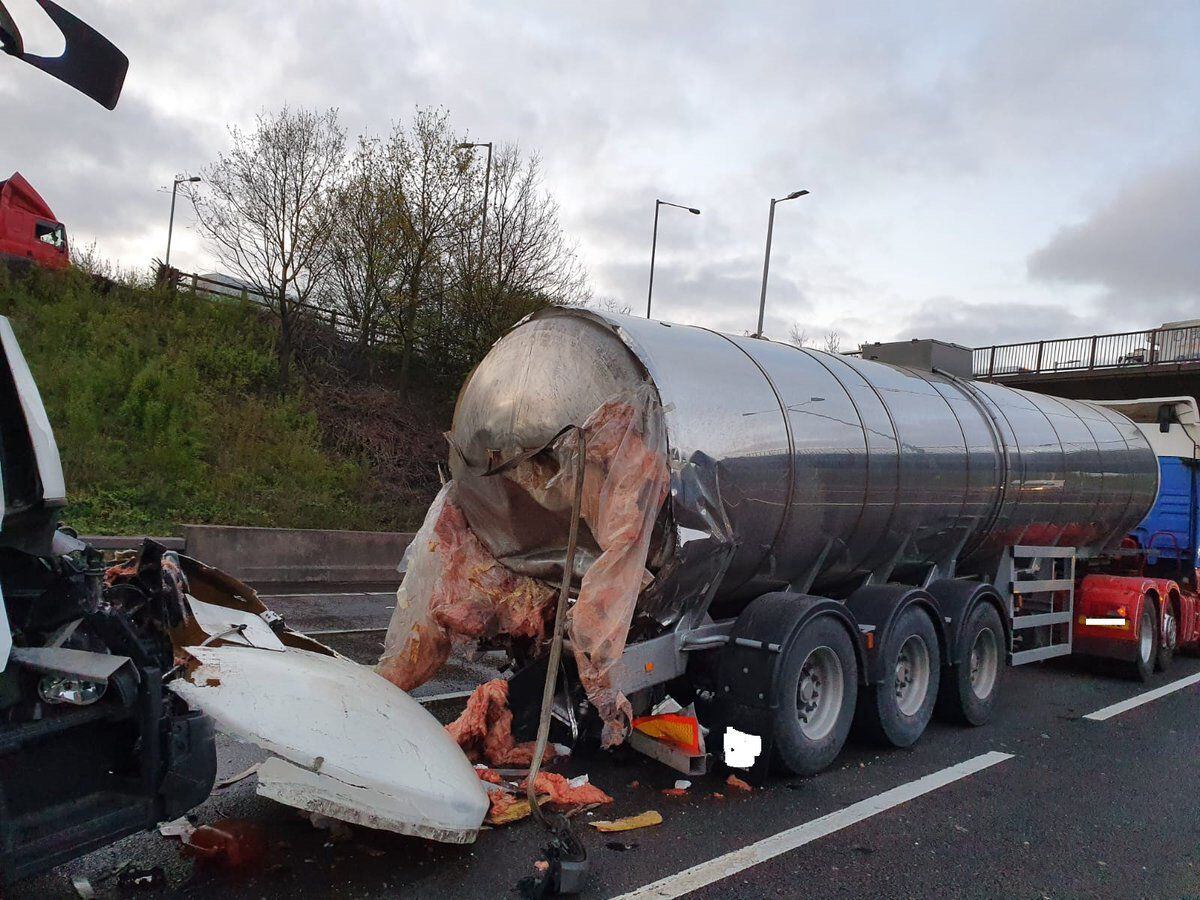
(166, 410)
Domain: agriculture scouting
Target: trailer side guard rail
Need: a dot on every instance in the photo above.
(1040, 585)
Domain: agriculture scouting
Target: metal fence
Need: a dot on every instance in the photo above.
(1130, 349)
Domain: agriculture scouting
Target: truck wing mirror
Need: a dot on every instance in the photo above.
(90, 63)
(1166, 415)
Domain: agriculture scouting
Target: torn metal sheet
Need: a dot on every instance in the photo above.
(82, 664)
(218, 620)
(353, 745)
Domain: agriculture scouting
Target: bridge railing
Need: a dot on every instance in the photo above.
(1128, 349)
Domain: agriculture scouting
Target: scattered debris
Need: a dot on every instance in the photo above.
(737, 784)
(675, 792)
(234, 779)
(83, 887)
(629, 823)
(716, 795)
(179, 828)
(621, 846)
(142, 879)
(682, 784)
(484, 730)
(231, 844)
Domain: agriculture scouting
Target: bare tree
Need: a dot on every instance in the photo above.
(429, 178)
(799, 335)
(833, 341)
(265, 210)
(366, 251)
(610, 304)
(527, 261)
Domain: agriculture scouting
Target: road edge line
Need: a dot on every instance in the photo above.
(721, 867)
(1115, 709)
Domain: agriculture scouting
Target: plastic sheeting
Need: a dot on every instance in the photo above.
(625, 483)
(454, 587)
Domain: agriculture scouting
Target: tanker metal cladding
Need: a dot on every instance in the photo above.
(788, 539)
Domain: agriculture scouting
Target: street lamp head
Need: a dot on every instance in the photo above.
(693, 211)
(794, 194)
(195, 178)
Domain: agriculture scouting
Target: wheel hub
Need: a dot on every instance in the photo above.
(912, 675)
(819, 693)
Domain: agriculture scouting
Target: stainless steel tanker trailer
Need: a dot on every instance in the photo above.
(845, 539)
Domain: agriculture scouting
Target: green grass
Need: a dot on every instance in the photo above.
(166, 411)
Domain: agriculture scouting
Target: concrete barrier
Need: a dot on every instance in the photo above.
(300, 556)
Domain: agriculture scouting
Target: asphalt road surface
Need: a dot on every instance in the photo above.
(1044, 802)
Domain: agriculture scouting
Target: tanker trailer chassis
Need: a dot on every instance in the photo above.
(800, 671)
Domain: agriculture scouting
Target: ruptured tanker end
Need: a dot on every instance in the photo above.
(796, 469)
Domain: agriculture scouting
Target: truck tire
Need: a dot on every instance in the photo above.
(817, 690)
(896, 710)
(969, 690)
(1169, 639)
(1146, 650)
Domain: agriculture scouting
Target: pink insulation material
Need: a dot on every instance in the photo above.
(625, 483)
(484, 730)
(454, 587)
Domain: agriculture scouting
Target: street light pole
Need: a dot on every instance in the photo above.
(487, 179)
(654, 245)
(762, 297)
(171, 224)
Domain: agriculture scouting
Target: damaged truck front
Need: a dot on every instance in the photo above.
(92, 747)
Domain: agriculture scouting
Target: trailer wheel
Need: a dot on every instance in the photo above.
(896, 710)
(969, 690)
(1169, 639)
(1147, 641)
(817, 689)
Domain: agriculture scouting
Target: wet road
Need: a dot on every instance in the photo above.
(1068, 806)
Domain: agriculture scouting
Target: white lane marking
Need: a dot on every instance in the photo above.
(731, 863)
(1116, 709)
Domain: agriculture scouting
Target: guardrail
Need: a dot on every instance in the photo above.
(1129, 349)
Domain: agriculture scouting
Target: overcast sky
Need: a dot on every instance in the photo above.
(980, 172)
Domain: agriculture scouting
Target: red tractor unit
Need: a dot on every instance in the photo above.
(1142, 605)
(29, 233)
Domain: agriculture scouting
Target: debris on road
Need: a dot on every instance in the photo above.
(83, 887)
(621, 846)
(629, 823)
(234, 779)
(738, 784)
(177, 828)
(230, 844)
(509, 804)
(130, 880)
(484, 729)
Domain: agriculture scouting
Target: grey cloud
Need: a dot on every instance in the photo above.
(985, 324)
(1140, 247)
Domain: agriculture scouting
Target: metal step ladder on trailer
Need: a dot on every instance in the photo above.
(1039, 583)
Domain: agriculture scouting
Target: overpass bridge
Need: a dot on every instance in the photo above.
(1157, 362)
